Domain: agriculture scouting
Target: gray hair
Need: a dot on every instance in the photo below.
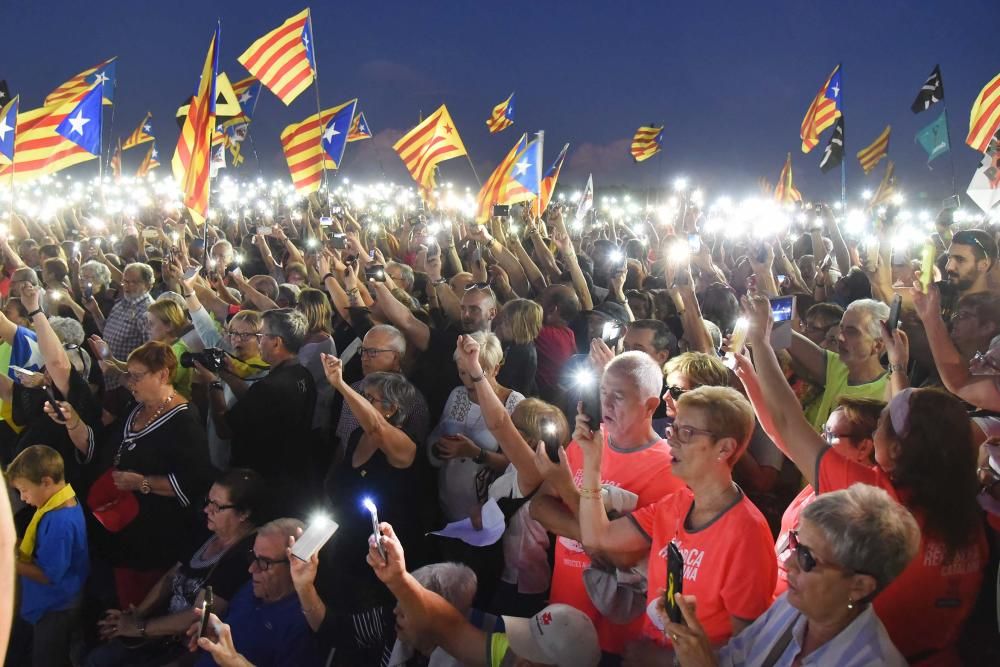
(396, 390)
(225, 246)
(490, 350)
(455, 582)
(176, 298)
(645, 373)
(397, 341)
(289, 293)
(283, 528)
(714, 332)
(28, 273)
(877, 313)
(664, 339)
(867, 530)
(70, 332)
(145, 270)
(101, 273)
(266, 285)
(289, 325)
(407, 273)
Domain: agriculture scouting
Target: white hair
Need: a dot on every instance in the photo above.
(455, 582)
(396, 339)
(877, 313)
(284, 528)
(641, 369)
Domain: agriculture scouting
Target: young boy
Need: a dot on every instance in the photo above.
(52, 560)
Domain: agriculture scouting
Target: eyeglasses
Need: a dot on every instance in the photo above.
(263, 564)
(472, 286)
(371, 399)
(683, 434)
(236, 335)
(130, 376)
(830, 436)
(372, 352)
(808, 562)
(676, 392)
(215, 507)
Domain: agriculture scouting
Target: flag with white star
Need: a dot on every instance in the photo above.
(247, 92)
(647, 142)
(525, 177)
(8, 130)
(502, 116)
(930, 93)
(83, 125)
(84, 81)
(822, 112)
(149, 162)
(24, 352)
(833, 154)
(336, 131)
(284, 59)
(142, 134)
(4, 93)
(359, 128)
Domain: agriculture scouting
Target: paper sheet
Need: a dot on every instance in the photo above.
(493, 527)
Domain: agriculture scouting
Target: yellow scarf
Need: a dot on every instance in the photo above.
(245, 369)
(27, 548)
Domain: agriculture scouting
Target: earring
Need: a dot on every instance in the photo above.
(850, 603)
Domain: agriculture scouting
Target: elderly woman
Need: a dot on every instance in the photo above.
(723, 538)
(518, 325)
(165, 323)
(461, 445)
(378, 464)
(849, 546)
(924, 459)
(157, 454)
(234, 507)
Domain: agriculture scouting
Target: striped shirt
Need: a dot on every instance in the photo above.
(863, 643)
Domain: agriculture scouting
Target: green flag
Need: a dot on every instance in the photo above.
(934, 137)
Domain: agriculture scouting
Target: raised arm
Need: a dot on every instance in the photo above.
(56, 362)
(417, 333)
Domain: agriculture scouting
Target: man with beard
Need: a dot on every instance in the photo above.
(972, 254)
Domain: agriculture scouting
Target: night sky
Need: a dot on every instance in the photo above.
(730, 80)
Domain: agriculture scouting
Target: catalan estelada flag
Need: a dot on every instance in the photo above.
(524, 181)
(431, 142)
(192, 159)
(785, 190)
(141, 134)
(502, 116)
(886, 188)
(359, 128)
(116, 162)
(84, 81)
(647, 142)
(490, 193)
(305, 148)
(247, 92)
(8, 130)
(283, 59)
(872, 154)
(149, 162)
(984, 120)
(549, 184)
(822, 112)
(39, 149)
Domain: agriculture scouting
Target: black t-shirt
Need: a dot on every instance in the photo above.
(225, 574)
(435, 373)
(520, 363)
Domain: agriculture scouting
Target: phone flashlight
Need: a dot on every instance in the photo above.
(370, 506)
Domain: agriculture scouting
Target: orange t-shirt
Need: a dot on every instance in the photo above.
(925, 607)
(728, 564)
(789, 521)
(646, 473)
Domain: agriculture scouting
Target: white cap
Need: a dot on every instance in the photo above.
(557, 635)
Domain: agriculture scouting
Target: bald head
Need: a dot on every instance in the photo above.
(560, 305)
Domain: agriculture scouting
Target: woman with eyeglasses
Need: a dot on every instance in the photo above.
(64, 371)
(153, 633)
(157, 453)
(924, 460)
(724, 541)
(849, 545)
(378, 464)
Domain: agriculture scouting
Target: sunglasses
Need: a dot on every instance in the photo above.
(808, 562)
(676, 392)
(472, 286)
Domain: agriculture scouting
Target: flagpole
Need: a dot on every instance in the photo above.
(253, 147)
(541, 147)
(473, 168)
(951, 153)
(843, 161)
(111, 129)
(319, 112)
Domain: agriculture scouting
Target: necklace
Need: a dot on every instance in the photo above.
(159, 410)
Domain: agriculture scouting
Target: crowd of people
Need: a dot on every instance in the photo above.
(700, 447)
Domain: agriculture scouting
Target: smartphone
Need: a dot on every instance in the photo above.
(675, 583)
(22, 371)
(927, 265)
(550, 441)
(88, 291)
(611, 332)
(375, 273)
(264, 230)
(588, 387)
(319, 532)
(501, 211)
(325, 221)
(339, 241)
(893, 322)
(782, 279)
(207, 609)
(782, 309)
(190, 273)
(335, 210)
(150, 233)
(694, 244)
(54, 402)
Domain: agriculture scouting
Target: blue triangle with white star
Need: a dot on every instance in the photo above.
(336, 131)
(106, 76)
(83, 125)
(527, 170)
(8, 129)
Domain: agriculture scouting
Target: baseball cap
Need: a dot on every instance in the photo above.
(557, 635)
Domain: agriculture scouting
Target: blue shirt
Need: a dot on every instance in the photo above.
(269, 633)
(61, 553)
(863, 643)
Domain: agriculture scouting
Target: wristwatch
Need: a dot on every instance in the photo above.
(144, 486)
(480, 458)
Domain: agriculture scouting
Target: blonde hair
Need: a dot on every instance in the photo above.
(171, 314)
(531, 417)
(728, 411)
(251, 318)
(520, 321)
(490, 351)
(700, 368)
(314, 304)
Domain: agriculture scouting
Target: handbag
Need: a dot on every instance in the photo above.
(113, 508)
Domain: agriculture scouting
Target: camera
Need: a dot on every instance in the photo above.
(213, 358)
(339, 241)
(501, 211)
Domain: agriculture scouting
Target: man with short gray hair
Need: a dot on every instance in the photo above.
(125, 326)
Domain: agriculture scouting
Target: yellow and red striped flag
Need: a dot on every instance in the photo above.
(359, 128)
(302, 144)
(502, 116)
(141, 134)
(84, 81)
(149, 162)
(429, 143)
(39, 149)
(492, 189)
(785, 190)
(548, 185)
(647, 142)
(822, 113)
(192, 159)
(283, 59)
(874, 152)
(984, 120)
(887, 188)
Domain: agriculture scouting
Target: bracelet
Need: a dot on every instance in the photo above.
(893, 368)
(34, 312)
(593, 494)
(140, 625)
(480, 458)
(216, 385)
(188, 295)
(478, 379)
(328, 276)
(145, 487)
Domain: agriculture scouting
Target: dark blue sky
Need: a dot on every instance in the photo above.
(730, 80)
